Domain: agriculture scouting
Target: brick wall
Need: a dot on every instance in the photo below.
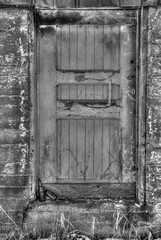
(15, 113)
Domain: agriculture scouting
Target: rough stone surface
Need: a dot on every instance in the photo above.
(15, 115)
(93, 217)
(153, 174)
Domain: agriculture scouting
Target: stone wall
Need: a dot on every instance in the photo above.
(153, 115)
(17, 184)
(154, 103)
(16, 69)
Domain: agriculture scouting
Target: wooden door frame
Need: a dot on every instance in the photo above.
(141, 82)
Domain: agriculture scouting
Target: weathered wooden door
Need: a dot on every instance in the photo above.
(86, 102)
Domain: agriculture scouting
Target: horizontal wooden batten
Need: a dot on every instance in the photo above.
(85, 77)
(89, 111)
(89, 92)
(88, 71)
(67, 16)
(88, 84)
(115, 4)
(85, 181)
(86, 118)
(93, 191)
(99, 103)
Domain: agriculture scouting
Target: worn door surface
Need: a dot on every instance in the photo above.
(86, 102)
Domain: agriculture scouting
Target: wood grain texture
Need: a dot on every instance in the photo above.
(73, 47)
(86, 110)
(88, 77)
(89, 163)
(81, 174)
(128, 46)
(94, 92)
(81, 47)
(98, 48)
(88, 149)
(93, 191)
(47, 106)
(66, 16)
(49, 4)
(88, 47)
(65, 48)
(89, 91)
(106, 149)
(73, 149)
(127, 117)
(97, 129)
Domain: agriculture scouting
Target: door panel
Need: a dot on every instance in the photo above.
(88, 47)
(86, 96)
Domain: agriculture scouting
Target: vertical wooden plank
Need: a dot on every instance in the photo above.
(89, 149)
(47, 104)
(115, 94)
(101, 149)
(90, 92)
(65, 148)
(58, 46)
(99, 47)
(98, 92)
(97, 149)
(88, 3)
(73, 92)
(65, 48)
(115, 48)
(65, 3)
(81, 47)
(81, 149)
(105, 92)
(114, 149)
(111, 3)
(65, 92)
(73, 149)
(59, 148)
(107, 47)
(106, 149)
(128, 3)
(81, 92)
(73, 47)
(90, 47)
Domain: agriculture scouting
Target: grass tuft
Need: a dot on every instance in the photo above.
(62, 229)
